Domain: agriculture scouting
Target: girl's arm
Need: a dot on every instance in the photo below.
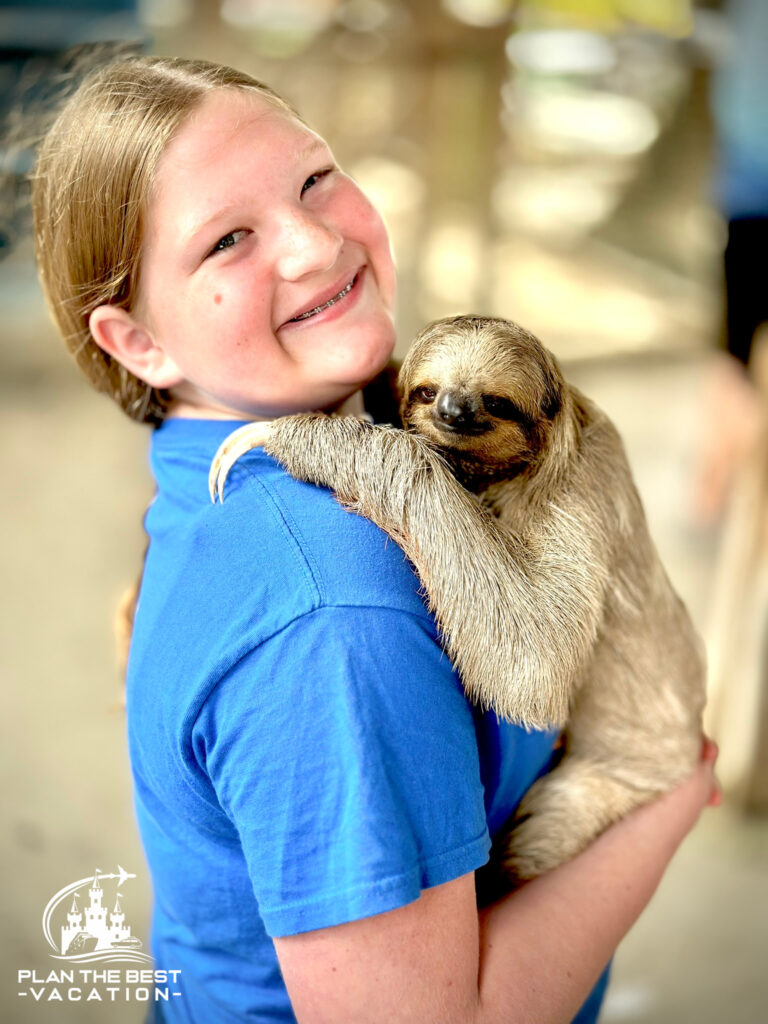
(532, 957)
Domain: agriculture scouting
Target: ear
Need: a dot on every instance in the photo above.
(131, 343)
(552, 401)
(553, 398)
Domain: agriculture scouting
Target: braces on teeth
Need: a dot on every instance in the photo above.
(311, 312)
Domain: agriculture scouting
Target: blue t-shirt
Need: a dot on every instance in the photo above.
(302, 750)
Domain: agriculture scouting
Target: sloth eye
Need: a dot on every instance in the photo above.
(503, 408)
(424, 394)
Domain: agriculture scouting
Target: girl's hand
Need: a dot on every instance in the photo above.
(679, 810)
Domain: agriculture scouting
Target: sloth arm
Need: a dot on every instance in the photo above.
(533, 956)
(518, 620)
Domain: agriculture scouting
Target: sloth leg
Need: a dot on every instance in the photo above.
(507, 623)
(562, 813)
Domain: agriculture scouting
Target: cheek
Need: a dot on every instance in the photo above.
(234, 305)
(213, 329)
(379, 239)
(510, 442)
(370, 221)
(364, 224)
(417, 416)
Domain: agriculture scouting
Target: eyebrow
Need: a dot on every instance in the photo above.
(313, 147)
(190, 236)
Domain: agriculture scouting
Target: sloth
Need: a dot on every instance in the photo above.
(511, 494)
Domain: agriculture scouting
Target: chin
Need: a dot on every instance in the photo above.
(365, 356)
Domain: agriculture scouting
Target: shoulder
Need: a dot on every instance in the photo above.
(221, 580)
(340, 558)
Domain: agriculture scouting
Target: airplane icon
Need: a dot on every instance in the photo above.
(122, 876)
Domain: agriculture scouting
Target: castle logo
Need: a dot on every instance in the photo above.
(80, 927)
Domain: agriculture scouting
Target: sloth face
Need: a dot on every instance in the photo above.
(481, 389)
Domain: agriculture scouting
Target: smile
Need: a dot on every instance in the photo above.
(332, 301)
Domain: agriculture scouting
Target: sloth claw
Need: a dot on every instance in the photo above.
(240, 441)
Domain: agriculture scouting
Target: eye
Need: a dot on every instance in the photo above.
(423, 394)
(503, 408)
(227, 241)
(314, 178)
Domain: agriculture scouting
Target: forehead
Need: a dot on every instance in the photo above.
(230, 136)
(465, 357)
(497, 361)
(227, 115)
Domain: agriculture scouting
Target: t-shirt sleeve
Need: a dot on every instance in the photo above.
(344, 752)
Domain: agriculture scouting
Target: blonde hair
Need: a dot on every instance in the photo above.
(90, 190)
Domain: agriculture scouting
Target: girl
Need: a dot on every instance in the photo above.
(313, 790)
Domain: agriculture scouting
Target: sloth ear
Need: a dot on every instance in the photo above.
(553, 396)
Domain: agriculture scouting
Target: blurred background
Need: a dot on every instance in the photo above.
(594, 169)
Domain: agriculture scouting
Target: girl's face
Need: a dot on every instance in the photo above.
(266, 275)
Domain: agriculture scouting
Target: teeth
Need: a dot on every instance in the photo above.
(318, 309)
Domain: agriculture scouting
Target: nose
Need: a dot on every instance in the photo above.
(306, 245)
(456, 410)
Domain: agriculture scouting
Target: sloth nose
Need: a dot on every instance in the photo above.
(456, 410)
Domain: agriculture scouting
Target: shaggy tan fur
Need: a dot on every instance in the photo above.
(548, 591)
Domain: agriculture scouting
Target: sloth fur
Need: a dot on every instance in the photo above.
(511, 494)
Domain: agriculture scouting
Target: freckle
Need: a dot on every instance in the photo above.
(217, 299)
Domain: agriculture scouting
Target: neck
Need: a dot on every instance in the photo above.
(183, 409)
(476, 475)
(352, 406)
